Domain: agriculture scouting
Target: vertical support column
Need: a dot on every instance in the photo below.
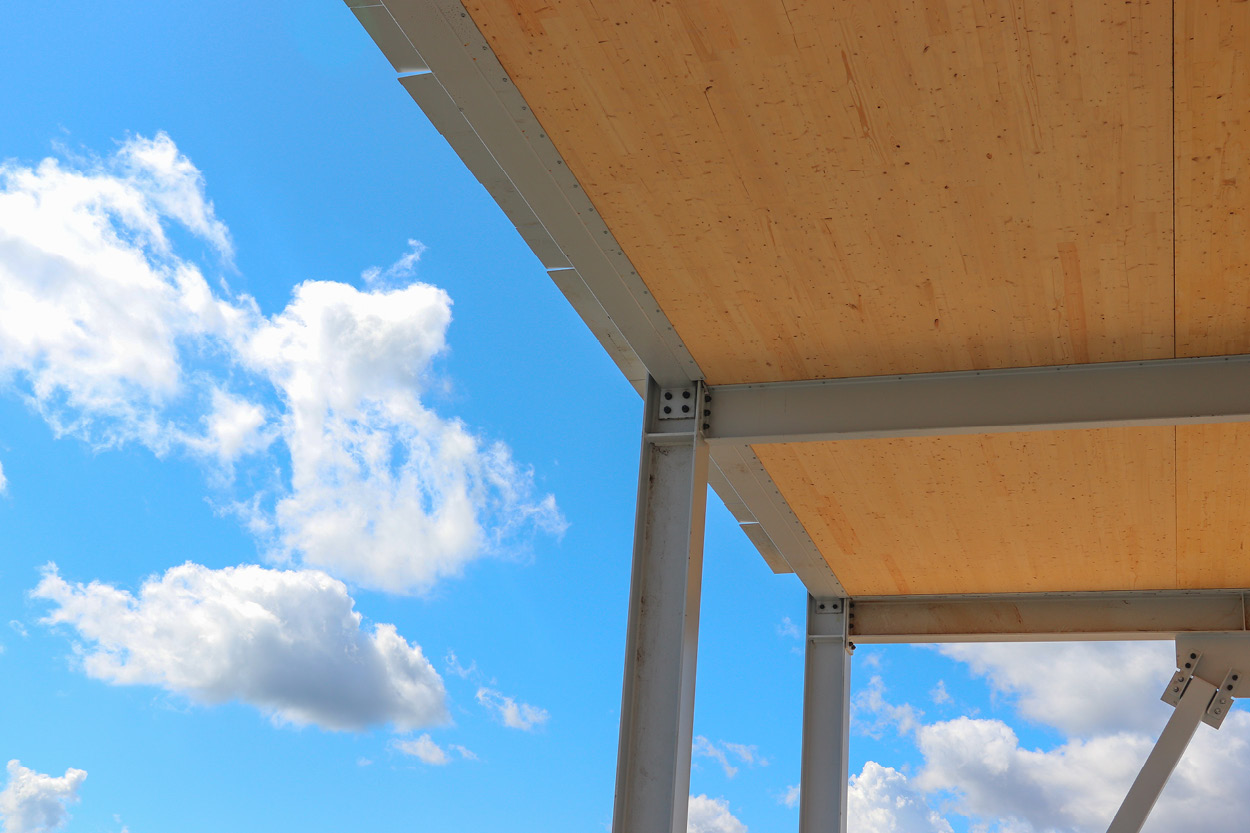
(657, 704)
(826, 718)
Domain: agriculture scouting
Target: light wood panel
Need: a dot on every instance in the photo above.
(1213, 505)
(1043, 511)
(849, 188)
(1212, 177)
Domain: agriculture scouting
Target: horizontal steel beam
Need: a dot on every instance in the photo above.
(1044, 617)
(1164, 392)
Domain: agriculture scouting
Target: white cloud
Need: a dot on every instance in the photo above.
(789, 629)
(722, 751)
(289, 643)
(711, 815)
(401, 270)
(790, 797)
(453, 665)
(980, 770)
(234, 426)
(871, 700)
(113, 337)
(513, 714)
(880, 800)
(4, 481)
(938, 694)
(384, 492)
(424, 749)
(93, 301)
(1063, 695)
(32, 802)
(464, 752)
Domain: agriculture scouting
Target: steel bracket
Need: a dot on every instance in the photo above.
(1201, 691)
(678, 403)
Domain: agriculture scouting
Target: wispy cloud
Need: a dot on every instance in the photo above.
(874, 713)
(511, 713)
(788, 629)
(723, 751)
(402, 270)
(452, 663)
(424, 749)
(464, 752)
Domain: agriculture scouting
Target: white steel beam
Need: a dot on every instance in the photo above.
(1164, 392)
(657, 704)
(826, 718)
(1047, 617)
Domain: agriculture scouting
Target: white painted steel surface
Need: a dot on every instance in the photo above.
(657, 704)
(1047, 617)
(1112, 394)
(1163, 758)
(826, 718)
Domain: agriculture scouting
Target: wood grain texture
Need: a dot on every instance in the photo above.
(850, 188)
(991, 513)
(847, 188)
(1213, 506)
(1212, 177)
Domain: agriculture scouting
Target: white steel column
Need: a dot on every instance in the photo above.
(826, 718)
(657, 705)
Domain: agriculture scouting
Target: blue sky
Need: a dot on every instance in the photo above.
(271, 359)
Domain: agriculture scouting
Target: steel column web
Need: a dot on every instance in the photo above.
(826, 718)
(657, 708)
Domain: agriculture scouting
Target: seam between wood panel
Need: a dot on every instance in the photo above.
(1176, 490)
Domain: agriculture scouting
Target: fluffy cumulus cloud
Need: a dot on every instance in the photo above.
(372, 469)
(880, 800)
(94, 303)
(287, 642)
(32, 802)
(511, 713)
(115, 337)
(711, 815)
(1103, 699)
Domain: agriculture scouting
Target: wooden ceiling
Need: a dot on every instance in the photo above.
(848, 188)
